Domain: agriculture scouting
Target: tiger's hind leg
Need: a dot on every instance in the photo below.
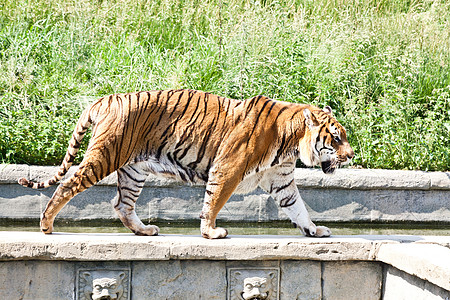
(83, 178)
(130, 181)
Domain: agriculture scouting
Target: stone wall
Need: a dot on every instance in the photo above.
(348, 195)
(83, 266)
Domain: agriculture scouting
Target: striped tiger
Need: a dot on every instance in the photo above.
(232, 146)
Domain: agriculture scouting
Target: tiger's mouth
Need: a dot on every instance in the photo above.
(328, 167)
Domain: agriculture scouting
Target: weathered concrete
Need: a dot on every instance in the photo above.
(38, 266)
(348, 195)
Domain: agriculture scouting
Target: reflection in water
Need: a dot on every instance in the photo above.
(275, 228)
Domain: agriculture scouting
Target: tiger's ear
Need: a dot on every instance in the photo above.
(308, 118)
(328, 110)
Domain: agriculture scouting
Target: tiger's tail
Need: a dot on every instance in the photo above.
(74, 145)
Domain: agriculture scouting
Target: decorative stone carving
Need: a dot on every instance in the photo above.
(103, 284)
(253, 284)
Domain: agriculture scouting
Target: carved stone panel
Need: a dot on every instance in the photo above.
(253, 283)
(103, 284)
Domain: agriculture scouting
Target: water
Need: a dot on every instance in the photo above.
(275, 228)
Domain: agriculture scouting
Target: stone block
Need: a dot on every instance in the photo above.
(33, 280)
(300, 280)
(179, 280)
(351, 280)
(399, 285)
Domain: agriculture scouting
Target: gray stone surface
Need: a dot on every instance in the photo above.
(352, 280)
(179, 280)
(300, 280)
(37, 280)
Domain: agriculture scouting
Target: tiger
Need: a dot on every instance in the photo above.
(230, 146)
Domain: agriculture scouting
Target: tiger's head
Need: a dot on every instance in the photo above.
(326, 141)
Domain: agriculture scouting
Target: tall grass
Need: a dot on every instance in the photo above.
(383, 65)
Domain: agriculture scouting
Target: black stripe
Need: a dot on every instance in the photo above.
(133, 197)
(129, 175)
(160, 149)
(257, 120)
(281, 111)
(183, 154)
(285, 202)
(251, 104)
(319, 138)
(129, 189)
(164, 110)
(176, 104)
(279, 152)
(278, 189)
(179, 117)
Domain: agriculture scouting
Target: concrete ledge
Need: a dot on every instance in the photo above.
(127, 246)
(365, 179)
(427, 258)
(350, 195)
(116, 247)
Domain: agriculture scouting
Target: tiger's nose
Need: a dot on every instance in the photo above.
(351, 155)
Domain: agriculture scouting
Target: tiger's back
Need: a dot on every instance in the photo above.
(161, 127)
(180, 132)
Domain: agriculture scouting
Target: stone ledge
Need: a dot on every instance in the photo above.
(348, 196)
(126, 246)
(307, 178)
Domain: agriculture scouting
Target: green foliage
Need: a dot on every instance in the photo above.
(382, 65)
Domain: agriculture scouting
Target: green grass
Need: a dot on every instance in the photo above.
(382, 65)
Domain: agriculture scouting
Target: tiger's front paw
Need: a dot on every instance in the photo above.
(46, 225)
(323, 231)
(317, 231)
(214, 233)
(148, 230)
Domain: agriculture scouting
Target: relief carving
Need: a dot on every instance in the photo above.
(103, 284)
(253, 284)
